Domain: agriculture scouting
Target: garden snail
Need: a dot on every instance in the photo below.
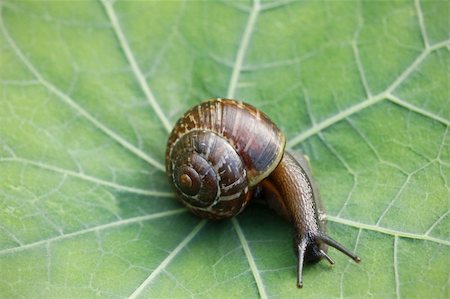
(222, 153)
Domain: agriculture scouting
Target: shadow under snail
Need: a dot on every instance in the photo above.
(222, 153)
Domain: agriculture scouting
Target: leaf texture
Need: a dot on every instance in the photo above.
(90, 90)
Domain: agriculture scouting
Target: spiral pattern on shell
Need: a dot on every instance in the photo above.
(218, 152)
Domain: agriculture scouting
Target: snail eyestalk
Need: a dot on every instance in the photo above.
(327, 240)
(327, 257)
(301, 256)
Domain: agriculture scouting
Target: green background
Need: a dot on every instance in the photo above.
(90, 90)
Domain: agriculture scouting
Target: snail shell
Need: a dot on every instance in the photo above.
(218, 152)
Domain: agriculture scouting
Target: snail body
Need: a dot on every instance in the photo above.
(222, 153)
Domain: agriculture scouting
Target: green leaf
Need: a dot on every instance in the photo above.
(89, 92)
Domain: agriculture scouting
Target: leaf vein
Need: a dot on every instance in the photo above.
(124, 45)
(387, 231)
(370, 101)
(400, 191)
(168, 259)
(416, 109)
(427, 233)
(250, 258)
(70, 102)
(87, 177)
(423, 29)
(243, 49)
(397, 278)
(334, 119)
(94, 229)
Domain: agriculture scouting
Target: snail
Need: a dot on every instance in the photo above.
(223, 153)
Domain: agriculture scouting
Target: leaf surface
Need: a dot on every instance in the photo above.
(90, 90)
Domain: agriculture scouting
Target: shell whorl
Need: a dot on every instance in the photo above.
(218, 152)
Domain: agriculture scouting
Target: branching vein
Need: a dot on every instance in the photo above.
(418, 110)
(70, 102)
(370, 101)
(334, 119)
(387, 231)
(428, 232)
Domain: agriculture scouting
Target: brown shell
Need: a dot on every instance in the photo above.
(240, 143)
